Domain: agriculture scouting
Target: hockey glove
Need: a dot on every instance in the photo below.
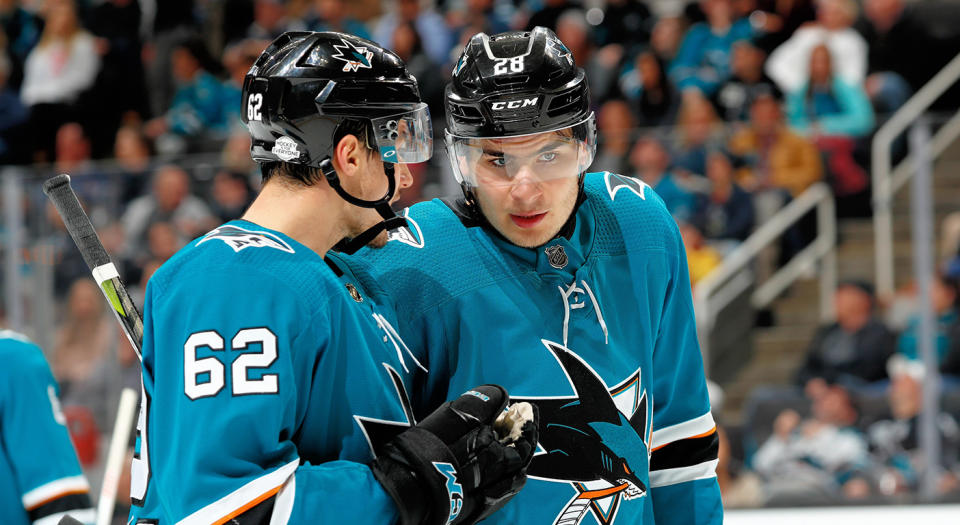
(452, 466)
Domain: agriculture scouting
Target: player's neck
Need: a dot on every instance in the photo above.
(310, 216)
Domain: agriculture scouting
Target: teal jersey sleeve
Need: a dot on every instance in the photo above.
(684, 443)
(40, 476)
(258, 368)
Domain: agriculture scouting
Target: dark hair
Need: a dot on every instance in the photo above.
(307, 175)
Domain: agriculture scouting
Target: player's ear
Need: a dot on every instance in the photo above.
(348, 156)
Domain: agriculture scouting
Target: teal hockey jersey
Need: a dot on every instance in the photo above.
(40, 476)
(597, 329)
(267, 383)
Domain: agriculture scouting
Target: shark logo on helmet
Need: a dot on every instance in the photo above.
(355, 57)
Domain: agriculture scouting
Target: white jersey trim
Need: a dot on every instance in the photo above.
(687, 429)
(53, 490)
(283, 505)
(236, 500)
(672, 476)
(81, 515)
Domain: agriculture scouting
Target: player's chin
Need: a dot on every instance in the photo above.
(525, 238)
(379, 241)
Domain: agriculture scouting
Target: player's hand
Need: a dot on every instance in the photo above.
(453, 467)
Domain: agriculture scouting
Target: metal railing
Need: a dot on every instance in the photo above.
(719, 288)
(888, 180)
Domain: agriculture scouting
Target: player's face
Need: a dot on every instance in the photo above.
(527, 186)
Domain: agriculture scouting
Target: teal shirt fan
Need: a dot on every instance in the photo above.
(40, 476)
(596, 329)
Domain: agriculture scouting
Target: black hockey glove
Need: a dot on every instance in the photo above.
(453, 467)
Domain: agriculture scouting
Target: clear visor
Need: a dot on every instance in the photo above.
(405, 137)
(540, 157)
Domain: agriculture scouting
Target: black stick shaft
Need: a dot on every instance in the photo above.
(59, 191)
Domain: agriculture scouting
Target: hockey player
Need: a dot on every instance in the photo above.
(270, 381)
(40, 476)
(571, 289)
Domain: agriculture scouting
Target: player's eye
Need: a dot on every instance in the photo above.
(496, 161)
(549, 156)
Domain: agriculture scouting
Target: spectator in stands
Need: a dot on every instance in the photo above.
(201, 106)
(436, 36)
(22, 30)
(703, 61)
(894, 69)
(651, 94)
(170, 201)
(61, 67)
(230, 194)
(550, 12)
(60, 250)
(786, 17)
(116, 369)
(625, 22)
(82, 338)
(650, 162)
(269, 20)
(407, 45)
(836, 115)
(666, 37)
(895, 442)
(600, 64)
(476, 16)
(121, 86)
(698, 130)
(701, 258)
(819, 459)
(131, 154)
(788, 64)
(13, 118)
(333, 15)
(777, 159)
(725, 214)
(615, 128)
(73, 157)
(747, 81)
(853, 350)
(943, 296)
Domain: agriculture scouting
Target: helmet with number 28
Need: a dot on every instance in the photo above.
(520, 133)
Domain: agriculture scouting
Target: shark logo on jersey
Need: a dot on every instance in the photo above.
(379, 432)
(595, 440)
(616, 182)
(411, 234)
(354, 56)
(240, 239)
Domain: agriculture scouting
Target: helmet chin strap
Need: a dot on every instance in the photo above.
(391, 220)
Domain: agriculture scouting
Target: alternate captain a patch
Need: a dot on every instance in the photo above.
(239, 239)
(596, 440)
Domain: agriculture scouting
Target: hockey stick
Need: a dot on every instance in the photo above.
(59, 191)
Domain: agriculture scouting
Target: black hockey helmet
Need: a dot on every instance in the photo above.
(305, 85)
(517, 84)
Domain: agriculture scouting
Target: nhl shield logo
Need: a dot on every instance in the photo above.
(556, 256)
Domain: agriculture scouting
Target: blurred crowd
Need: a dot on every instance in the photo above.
(727, 108)
(847, 430)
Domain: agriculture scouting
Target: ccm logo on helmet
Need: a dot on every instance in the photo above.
(514, 104)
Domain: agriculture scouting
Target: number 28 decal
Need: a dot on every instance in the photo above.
(515, 65)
